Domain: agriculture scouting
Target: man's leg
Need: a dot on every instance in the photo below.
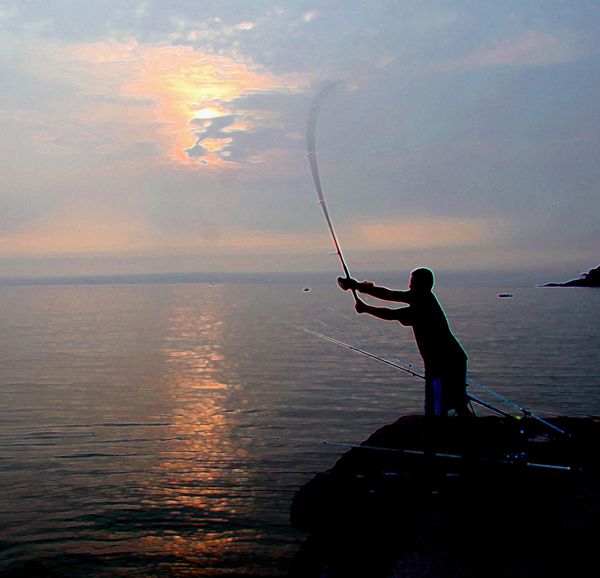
(433, 398)
(455, 391)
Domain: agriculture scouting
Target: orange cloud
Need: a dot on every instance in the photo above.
(85, 231)
(82, 231)
(408, 234)
(79, 232)
(215, 145)
(132, 93)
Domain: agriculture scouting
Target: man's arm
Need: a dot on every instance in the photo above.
(369, 288)
(384, 313)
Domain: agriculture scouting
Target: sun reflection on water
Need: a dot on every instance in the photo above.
(201, 480)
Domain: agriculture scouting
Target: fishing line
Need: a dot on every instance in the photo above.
(311, 149)
(326, 443)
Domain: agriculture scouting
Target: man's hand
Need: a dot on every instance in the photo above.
(346, 283)
(361, 306)
(349, 283)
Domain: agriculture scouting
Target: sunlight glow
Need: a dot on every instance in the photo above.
(210, 112)
(153, 92)
(405, 234)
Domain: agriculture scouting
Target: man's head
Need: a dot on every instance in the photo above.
(421, 279)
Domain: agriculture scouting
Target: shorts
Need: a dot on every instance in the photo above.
(443, 395)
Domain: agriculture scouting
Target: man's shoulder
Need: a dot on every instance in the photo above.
(422, 298)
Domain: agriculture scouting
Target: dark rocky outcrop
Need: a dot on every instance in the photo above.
(589, 279)
(481, 497)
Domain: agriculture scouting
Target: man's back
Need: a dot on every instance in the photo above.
(436, 342)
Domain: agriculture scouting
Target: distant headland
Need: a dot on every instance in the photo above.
(589, 279)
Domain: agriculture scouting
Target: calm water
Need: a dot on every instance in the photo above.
(137, 421)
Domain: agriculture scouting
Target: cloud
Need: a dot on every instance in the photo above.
(84, 231)
(79, 232)
(124, 94)
(83, 239)
(421, 233)
(530, 48)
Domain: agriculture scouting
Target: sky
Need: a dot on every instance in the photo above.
(157, 136)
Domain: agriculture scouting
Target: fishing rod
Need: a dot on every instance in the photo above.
(387, 362)
(469, 397)
(489, 406)
(356, 349)
(311, 149)
(525, 412)
(415, 374)
(367, 343)
(424, 453)
(358, 322)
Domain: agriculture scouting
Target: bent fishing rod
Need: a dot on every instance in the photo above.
(311, 149)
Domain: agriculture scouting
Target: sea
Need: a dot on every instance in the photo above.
(160, 427)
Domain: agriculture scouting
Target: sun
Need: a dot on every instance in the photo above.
(210, 112)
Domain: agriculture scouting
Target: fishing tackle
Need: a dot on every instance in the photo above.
(311, 149)
(512, 459)
(356, 349)
(367, 343)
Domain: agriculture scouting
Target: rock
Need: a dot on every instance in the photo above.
(479, 497)
(589, 279)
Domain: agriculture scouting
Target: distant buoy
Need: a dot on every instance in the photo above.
(506, 295)
(306, 289)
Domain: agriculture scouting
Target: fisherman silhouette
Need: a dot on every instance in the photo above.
(444, 358)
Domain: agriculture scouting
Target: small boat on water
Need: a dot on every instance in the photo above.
(486, 496)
